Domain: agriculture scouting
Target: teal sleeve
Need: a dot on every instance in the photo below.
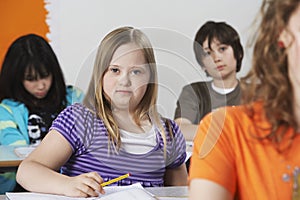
(10, 133)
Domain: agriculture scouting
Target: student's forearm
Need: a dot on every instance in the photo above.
(38, 178)
(176, 176)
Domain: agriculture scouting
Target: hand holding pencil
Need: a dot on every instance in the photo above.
(88, 185)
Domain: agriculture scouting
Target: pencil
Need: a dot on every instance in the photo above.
(115, 180)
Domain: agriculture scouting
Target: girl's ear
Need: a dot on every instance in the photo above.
(284, 38)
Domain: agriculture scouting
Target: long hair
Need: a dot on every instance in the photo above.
(96, 99)
(268, 79)
(223, 32)
(32, 53)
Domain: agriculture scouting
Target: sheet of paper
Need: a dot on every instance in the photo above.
(23, 152)
(131, 192)
(38, 196)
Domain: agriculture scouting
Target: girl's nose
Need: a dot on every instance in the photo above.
(125, 80)
(41, 83)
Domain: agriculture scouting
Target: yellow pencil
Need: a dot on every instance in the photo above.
(115, 179)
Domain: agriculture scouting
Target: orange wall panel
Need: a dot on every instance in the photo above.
(19, 17)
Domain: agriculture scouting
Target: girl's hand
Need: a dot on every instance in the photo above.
(84, 185)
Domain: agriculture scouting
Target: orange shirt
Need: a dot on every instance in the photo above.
(227, 151)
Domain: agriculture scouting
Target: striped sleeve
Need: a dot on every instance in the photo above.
(70, 123)
(176, 147)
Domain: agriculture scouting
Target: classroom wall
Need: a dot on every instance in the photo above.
(77, 27)
(19, 17)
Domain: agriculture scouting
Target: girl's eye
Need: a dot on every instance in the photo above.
(45, 75)
(207, 53)
(114, 70)
(136, 72)
(30, 78)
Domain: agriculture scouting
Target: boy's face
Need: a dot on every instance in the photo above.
(221, 63)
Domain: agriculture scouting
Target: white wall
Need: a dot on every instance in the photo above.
(78, 26)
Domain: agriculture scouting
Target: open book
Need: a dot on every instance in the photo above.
(132, 192)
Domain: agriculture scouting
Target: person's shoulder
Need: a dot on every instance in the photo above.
(77, 107)
(74, 94)
(170, 123)
(235, 114)
(198, 84)
(10, 102)
(10, 105)
(242, 121)
(72, 88)
(234, 110)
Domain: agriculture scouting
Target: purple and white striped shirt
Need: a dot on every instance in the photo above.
(88, 138)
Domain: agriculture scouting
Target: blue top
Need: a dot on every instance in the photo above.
(14, 118)
(13, 128)
(88, 138)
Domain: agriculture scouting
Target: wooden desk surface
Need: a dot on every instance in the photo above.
(8, 158)
(9, 161)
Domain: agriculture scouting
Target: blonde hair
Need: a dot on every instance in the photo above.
(268, 79)
(96, 99)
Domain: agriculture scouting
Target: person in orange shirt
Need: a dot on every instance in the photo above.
(251, 151)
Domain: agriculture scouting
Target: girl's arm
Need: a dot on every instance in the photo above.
(176, 176)
(38, 172)
(12, 132)
(205, 189)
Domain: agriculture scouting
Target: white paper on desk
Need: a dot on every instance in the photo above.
(37, 196)
(132, 192)
(113, 189)
(23, 152)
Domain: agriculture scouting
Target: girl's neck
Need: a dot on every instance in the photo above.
(126, 122)
(221, 83)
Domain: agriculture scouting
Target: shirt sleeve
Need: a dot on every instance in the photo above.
(213, 156)
(187, 105)
(9, 129)
(176, 152)
(68, 123)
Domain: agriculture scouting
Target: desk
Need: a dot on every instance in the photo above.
(170, 193)
(173, 192)
(9, 161)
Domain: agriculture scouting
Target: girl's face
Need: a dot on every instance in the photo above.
(36, 86)
(221, 64)
(291, 39)
(127, 77)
